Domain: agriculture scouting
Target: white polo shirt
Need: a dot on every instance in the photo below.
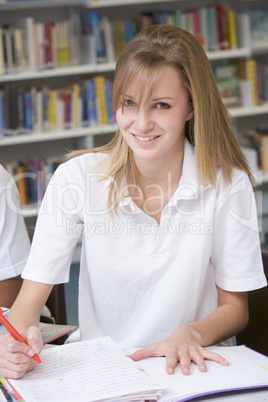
(14, 240)
(140, 281)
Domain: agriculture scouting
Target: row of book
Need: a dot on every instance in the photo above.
(242, 83)
(91, 38)
(32, 177)
(26, 110)
(37, 46)
(87, 104)
(255, 144)
(215, 27)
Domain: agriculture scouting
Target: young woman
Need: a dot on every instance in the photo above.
(167, 214)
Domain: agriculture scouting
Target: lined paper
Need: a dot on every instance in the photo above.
(85, 371)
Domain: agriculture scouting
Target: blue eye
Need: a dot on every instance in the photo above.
(162, 105)
(128, 102)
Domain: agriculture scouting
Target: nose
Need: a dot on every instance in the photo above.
(143, 121)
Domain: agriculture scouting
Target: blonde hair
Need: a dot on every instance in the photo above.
(209, 130)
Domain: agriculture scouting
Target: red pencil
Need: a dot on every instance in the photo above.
(15, 333)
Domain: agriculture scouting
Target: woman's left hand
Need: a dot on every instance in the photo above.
(182, 346)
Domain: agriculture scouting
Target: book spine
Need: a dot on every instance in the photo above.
(1, 114)
(28, 111)
(252, 76)
(30, 47)
(109, 101)
(231, 29)
(91, 97)
(21, 185)
(95, 29)
(8, 53)
(101, 99)
(211, 29)
(197, 25)
(222, 24)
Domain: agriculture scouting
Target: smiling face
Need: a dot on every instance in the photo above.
(154, 128)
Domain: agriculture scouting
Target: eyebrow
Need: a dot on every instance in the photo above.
(162, 97)
(154, 99)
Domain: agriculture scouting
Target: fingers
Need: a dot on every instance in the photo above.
(215, 357)
(185, 355)
(34, 339)
(171, 360)
(150, 351)
(16, 357)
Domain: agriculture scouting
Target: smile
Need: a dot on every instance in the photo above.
(145, 139)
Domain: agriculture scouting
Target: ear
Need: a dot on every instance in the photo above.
(190, 113)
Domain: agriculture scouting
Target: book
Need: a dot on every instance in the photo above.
(98, 370)
(258, 140)
(119, 36)
(262, 139)
(247, 72)
(2, 60)
(222, 23)
(101, 100)
(91, 98)
(258, 25)
(231, 29)
(21, 183)
(227, 80)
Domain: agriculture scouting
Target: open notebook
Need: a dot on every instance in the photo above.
(97, 370)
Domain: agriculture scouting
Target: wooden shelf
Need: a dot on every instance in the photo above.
(59, 72)
(115, 3)
(57, 135)
(237, 53)
(106, 67)
(248, 111)
(39, 4)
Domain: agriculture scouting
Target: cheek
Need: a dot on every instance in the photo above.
(121, 119)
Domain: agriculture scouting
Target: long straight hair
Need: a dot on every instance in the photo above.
(209, 130)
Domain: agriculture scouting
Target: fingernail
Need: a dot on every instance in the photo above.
(170, 370)
(186, 371)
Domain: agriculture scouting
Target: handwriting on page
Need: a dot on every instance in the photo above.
(90, 371)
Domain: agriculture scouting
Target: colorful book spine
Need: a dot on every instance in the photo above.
(247, 72)
(91, 99)
(109, 101)
(231, 29)
(94, 23)
(21, 185)
(101, 100)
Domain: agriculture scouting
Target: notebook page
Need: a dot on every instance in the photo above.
(242, 373)
(85, 371)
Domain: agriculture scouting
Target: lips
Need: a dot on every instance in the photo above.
(145, 138)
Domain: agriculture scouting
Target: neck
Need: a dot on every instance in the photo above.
(159, 182)
(159, 173)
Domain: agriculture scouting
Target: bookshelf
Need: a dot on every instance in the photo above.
(58, 141)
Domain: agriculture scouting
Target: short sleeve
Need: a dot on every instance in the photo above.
(14, 240)
(236, 251)
(58, 227)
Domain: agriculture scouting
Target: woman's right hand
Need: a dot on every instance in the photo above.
(16, 357)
